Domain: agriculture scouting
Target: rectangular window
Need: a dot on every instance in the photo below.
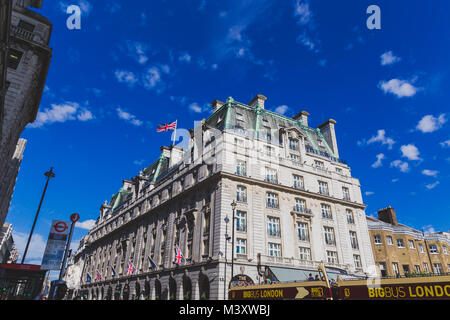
(346, 194)
(293, 144)
(14, 58)
(437, 268)
(377, 239)
(395, 268)
(411, 244)
(240, 168)
(239, 143)
(241, 194)
(389, 240)
(300, 205)
(350, 218)
(400, 243)
(241, 221)
(274, 249)
(383, 270)
(304, 253)
(339, 170)
(421, 250)
(323, 188)
(417, 269)
(425, 267)
(273, 227)
(329, 236)
(319, 164)
(353, 240)
(298, 182)
(302, 231)
(294, 157)
(357, 260)
(271, 175)
(272, 200)
(444, 249)
(26, 26)
(269, 151)
(241, 245)
(433, 249)
(326, 211)
(332, 257)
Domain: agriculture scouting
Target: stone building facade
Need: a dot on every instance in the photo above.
(8, 251)
(400, 250)
(297, 205)
(24, 62)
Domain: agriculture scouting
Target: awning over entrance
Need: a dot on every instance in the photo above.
(290, 275)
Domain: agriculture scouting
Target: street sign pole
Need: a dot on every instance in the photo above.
(74, 218)
(49, 175)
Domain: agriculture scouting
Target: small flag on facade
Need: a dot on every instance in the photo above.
(88, 277)
(113, 271)
(167, 126)
(178, 256)
(130, 269)
(152, 264)
(99, 275)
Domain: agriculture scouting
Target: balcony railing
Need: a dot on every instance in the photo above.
(300, 209)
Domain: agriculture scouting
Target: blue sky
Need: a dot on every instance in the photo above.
(132, 67)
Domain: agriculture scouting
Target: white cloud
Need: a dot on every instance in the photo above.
(430, 173)
(185, 57)
(128, 117)
(428, 229)
(86, 225)
(85, 6)
(369, 193)
(85, 115)
(195, 107)
(305, 40)
(445, 144)
(35, 250)
(381, 137)
(378, 163)
(112, 7)
(302, 12)
(430, 123)
(152, 78)
(127, 77)
(61, 113)
(432, 185)
(410, 151)
(138, 51)
(403, 166)
(389, 58)
(395, 180)
(399, 88)
(282, 109)
(139, 162)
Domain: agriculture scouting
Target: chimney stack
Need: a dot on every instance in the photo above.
(303, 115)
(216, 104)
(388, 215)
(329, 133)
(259, 99)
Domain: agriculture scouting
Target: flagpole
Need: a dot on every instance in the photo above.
(175, 132)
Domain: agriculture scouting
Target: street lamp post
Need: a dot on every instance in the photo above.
(233, 206)
(227, 238)
(48, 174)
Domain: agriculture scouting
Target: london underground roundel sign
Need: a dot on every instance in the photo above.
(74, 217)
(60, 226)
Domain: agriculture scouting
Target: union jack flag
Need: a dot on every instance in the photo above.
(130, 269)
(167, 126)
(178, 256)
(99, 275)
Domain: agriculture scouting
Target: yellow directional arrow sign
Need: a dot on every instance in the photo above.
(301, 293)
